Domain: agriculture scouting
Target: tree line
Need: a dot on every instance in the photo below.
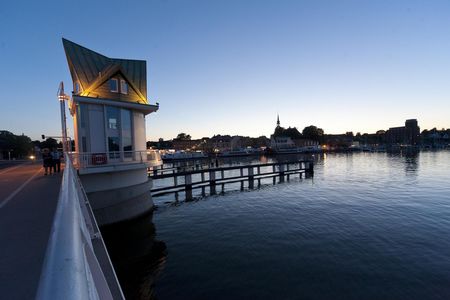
(21, 146)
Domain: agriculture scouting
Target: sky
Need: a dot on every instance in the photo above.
(229, 67)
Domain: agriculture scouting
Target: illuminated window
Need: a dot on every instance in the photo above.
(112, 115)
(123, 87)
(113, 85)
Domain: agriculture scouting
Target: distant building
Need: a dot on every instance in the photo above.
(339, 141)
(160, 144)
(185, 144)
(436, 138)
(219, 143)
(281, 142)
(289, 138)
(305, 143)
(405, 135)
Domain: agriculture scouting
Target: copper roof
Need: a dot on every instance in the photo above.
(90, 68)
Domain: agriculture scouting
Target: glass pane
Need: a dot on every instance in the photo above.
(126, 121)
(127, 146)
(127, 142)
(113, 147)
(112, 115)
(83, 144)
(113, 85)
(82, 113)
(123, 87)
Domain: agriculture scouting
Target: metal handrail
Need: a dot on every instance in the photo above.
(101, 159)
(71, 269)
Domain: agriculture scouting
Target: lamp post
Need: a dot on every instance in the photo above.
(62, 98)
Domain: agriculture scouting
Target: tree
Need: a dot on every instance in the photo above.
(23, 146)
(313, 133)
(49, 143)
(183, 136)
(14, 146)
(291, 132)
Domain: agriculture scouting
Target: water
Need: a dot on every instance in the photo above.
(367, 226)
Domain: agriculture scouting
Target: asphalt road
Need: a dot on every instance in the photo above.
(10, 163)
(27, 206)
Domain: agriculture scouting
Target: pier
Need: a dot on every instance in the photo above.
(197, 177)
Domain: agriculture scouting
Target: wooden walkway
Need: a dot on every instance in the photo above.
(186, 180)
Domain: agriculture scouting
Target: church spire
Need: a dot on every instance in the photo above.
(278, 120)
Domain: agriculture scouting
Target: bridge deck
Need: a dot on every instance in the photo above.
(27, 205)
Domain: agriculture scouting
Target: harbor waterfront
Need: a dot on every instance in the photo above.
(366, 226)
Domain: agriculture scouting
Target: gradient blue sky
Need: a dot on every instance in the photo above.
(230, 66)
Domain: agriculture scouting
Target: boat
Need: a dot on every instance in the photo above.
(183, 155)
(241, 152)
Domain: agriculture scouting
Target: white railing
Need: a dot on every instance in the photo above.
(71, 268)
(100, 159)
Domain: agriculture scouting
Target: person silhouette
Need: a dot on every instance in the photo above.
(47, 160)
(56, 160)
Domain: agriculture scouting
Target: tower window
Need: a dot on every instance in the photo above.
(123, 87)
(113, 85)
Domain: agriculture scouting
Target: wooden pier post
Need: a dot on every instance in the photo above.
(250, 178)
(281, 166)
(212, 182)
(242, 181)
(283, 170)
(309, 169)
(188, 184)
(274, 177)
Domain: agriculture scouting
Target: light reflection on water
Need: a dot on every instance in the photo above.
(367, 226)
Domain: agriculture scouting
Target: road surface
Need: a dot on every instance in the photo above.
(27, 206)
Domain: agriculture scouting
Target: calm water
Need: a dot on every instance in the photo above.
(367, 226)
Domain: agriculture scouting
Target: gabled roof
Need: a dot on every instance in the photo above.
(91, 69)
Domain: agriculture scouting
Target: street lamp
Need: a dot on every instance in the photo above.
(62, 98)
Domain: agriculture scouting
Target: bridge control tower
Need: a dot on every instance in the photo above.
(109, 104)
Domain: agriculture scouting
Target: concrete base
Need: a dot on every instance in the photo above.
(118, 196)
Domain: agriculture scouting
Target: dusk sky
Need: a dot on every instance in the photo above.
(228, 67)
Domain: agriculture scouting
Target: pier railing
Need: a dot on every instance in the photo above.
(102, 159)
(77, 265)
(188, 180)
